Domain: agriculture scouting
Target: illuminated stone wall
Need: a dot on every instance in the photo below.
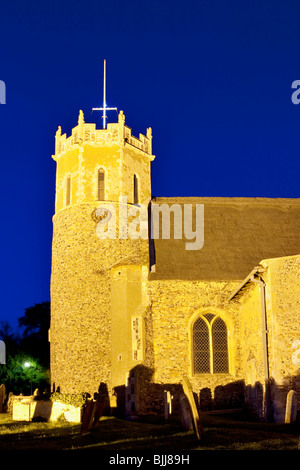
(251, 348)
(283, 317)
(175, 305)
(251, 353)
(282, 298)
(129, 303)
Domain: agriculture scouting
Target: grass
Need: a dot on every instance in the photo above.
(220, 433)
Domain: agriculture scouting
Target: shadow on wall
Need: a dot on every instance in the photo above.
(228, 396)
(141, 396)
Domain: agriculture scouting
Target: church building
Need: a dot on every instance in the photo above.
(135, 314)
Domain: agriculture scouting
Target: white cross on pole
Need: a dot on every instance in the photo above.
(104, 108)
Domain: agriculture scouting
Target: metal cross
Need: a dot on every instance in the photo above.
(104, 108)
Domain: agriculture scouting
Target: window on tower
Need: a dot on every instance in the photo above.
(68, 190)
(101, 185)
(135, 190)
(210, 348)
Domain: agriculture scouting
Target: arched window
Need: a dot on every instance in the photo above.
(135, 190)
(101, 185)
(219, 346)
(201, 346)
(210, 348)
(68, 190)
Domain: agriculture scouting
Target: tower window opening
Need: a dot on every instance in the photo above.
(210, 348)
(68, 191)
(135, 190)
(101, 185)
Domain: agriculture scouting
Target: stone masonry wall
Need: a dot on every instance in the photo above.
(283, 316)
(80, 332)
(175, 304)
(251, 351)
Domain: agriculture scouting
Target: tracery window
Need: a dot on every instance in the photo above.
(210, 346)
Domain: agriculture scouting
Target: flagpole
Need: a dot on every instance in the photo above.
(104, 94)
(104, 108)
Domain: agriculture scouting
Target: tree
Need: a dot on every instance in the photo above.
(7, 335)
(36, 320)
(23, 373)
(28, 352)
(34, 340)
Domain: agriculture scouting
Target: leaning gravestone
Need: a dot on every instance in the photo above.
(2, 397)
(88, 416)
(291, 407)
(167, 403)
(188, 391)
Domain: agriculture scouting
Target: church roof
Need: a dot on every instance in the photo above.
(238, 234)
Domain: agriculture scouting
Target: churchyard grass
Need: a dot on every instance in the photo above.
(220, 433)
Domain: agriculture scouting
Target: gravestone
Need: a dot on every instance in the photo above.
(2, 352)
(10, 402)
(291, 407)
(88, 416)
(98, 411)
(168, 403)
(186, 414)
(2, 397)
(188, 391)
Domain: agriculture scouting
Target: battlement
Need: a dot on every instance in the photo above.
(116, 133)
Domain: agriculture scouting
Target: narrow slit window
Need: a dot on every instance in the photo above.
(101, 185)
(68, 191)
(135, 190)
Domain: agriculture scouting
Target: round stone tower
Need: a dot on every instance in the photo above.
(99, 270)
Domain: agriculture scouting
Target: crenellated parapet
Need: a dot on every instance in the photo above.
(115, 133)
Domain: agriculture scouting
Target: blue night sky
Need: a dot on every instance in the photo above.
(211, 77)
